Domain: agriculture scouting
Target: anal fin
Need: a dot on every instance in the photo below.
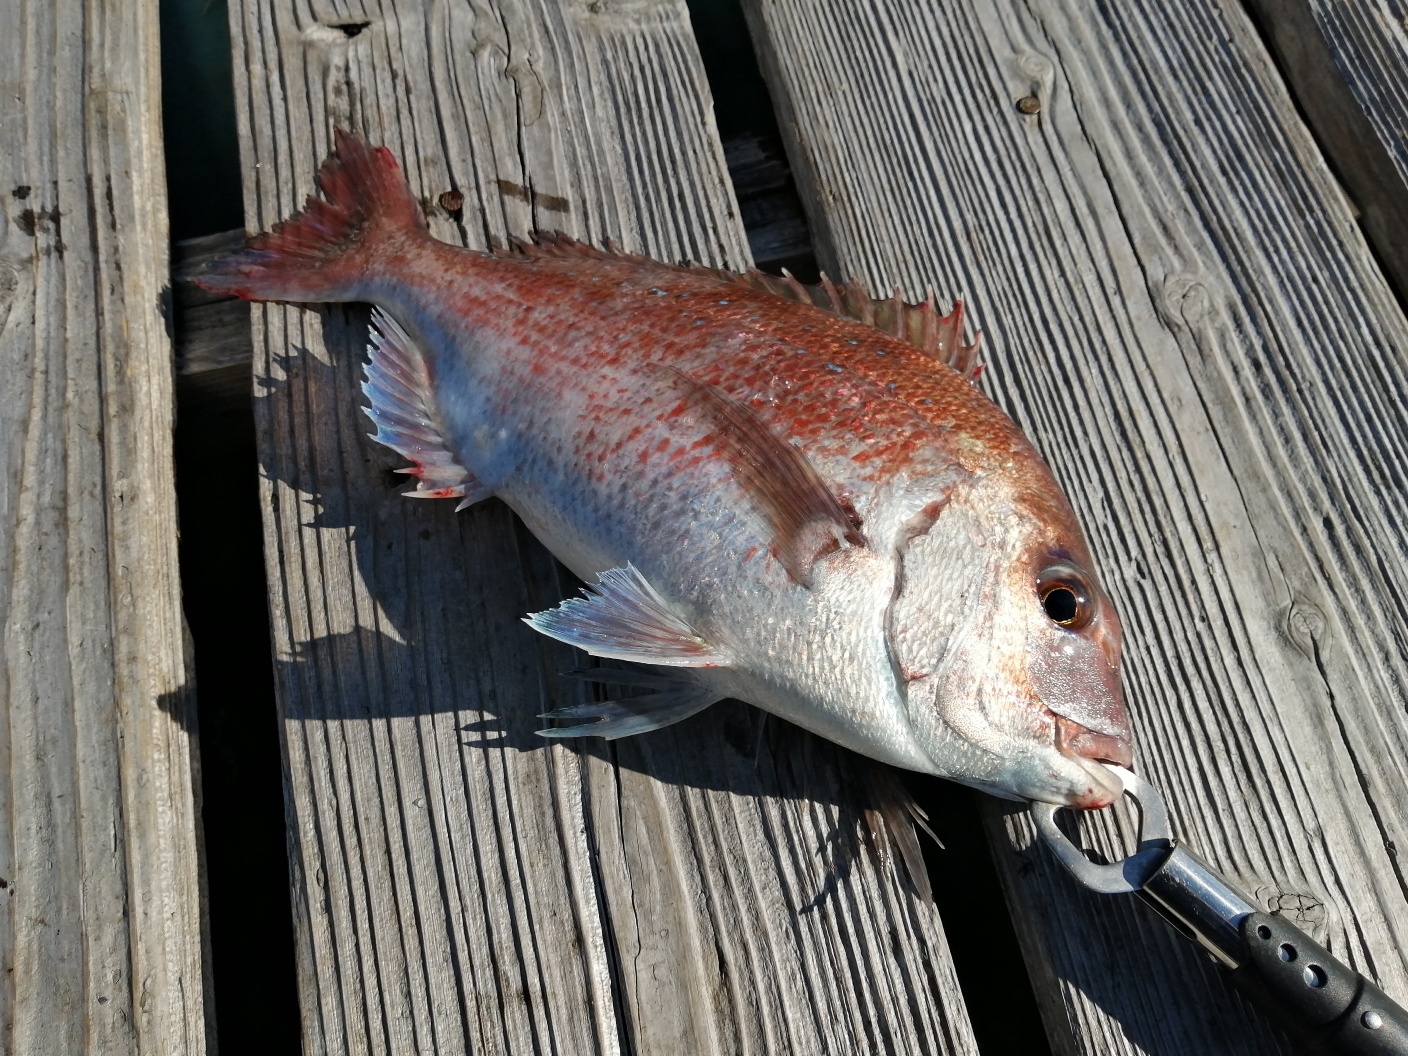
(402, 404)
(671, 700)
(621, 617)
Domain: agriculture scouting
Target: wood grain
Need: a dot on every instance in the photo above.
(1182, 313)
(1348, 67)
(100, 909)
(460, 885)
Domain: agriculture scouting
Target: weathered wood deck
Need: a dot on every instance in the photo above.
(101, 929)
(456, 879)
(1179, 308)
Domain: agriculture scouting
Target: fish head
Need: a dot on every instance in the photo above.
(1008, 651)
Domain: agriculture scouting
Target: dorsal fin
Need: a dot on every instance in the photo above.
(806, 518)
(403, 408)
(938, 336)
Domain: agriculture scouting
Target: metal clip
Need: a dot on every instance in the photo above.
(1129, 874)
(1184, 889)
(1317, 999)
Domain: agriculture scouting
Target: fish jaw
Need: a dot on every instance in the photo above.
(982, 725)
(1074, 682)
(1070, 696)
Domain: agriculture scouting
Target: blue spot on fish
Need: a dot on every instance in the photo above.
(833, 366)
(852, 342)
(657, 291)
(723, 302)
(879, 351)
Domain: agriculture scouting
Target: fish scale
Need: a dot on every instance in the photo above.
(783, 494)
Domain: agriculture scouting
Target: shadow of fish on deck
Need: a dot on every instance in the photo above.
(392, 609)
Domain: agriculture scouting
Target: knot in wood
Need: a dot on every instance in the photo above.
(1029, 104)
(1306, 625)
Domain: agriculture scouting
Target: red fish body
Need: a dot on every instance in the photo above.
(774, 502)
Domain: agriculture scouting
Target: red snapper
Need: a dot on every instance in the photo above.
(782, 495)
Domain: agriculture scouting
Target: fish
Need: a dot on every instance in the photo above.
(793, 496)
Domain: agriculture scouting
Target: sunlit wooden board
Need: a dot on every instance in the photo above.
(459, 884)
(101, 928)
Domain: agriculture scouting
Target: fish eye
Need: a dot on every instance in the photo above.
(1065, 596)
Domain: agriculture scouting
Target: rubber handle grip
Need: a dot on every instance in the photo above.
(1322, 1004)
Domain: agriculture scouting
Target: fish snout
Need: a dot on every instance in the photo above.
(1081, 691)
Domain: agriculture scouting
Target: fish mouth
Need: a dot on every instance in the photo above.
(1081, 742)
(1093, 751)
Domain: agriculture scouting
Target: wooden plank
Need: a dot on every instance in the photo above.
(460, 885)
(1348, 67)
(100, 908)
(212, 331)
(1182, 313)
(767, 203)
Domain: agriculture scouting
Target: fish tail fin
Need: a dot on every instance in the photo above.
(322, 253)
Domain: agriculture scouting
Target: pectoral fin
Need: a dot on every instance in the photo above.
(673, 699)
(806, 518)
(403, 408)
(621, 617)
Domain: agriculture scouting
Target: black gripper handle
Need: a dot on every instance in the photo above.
(1322, 1004)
